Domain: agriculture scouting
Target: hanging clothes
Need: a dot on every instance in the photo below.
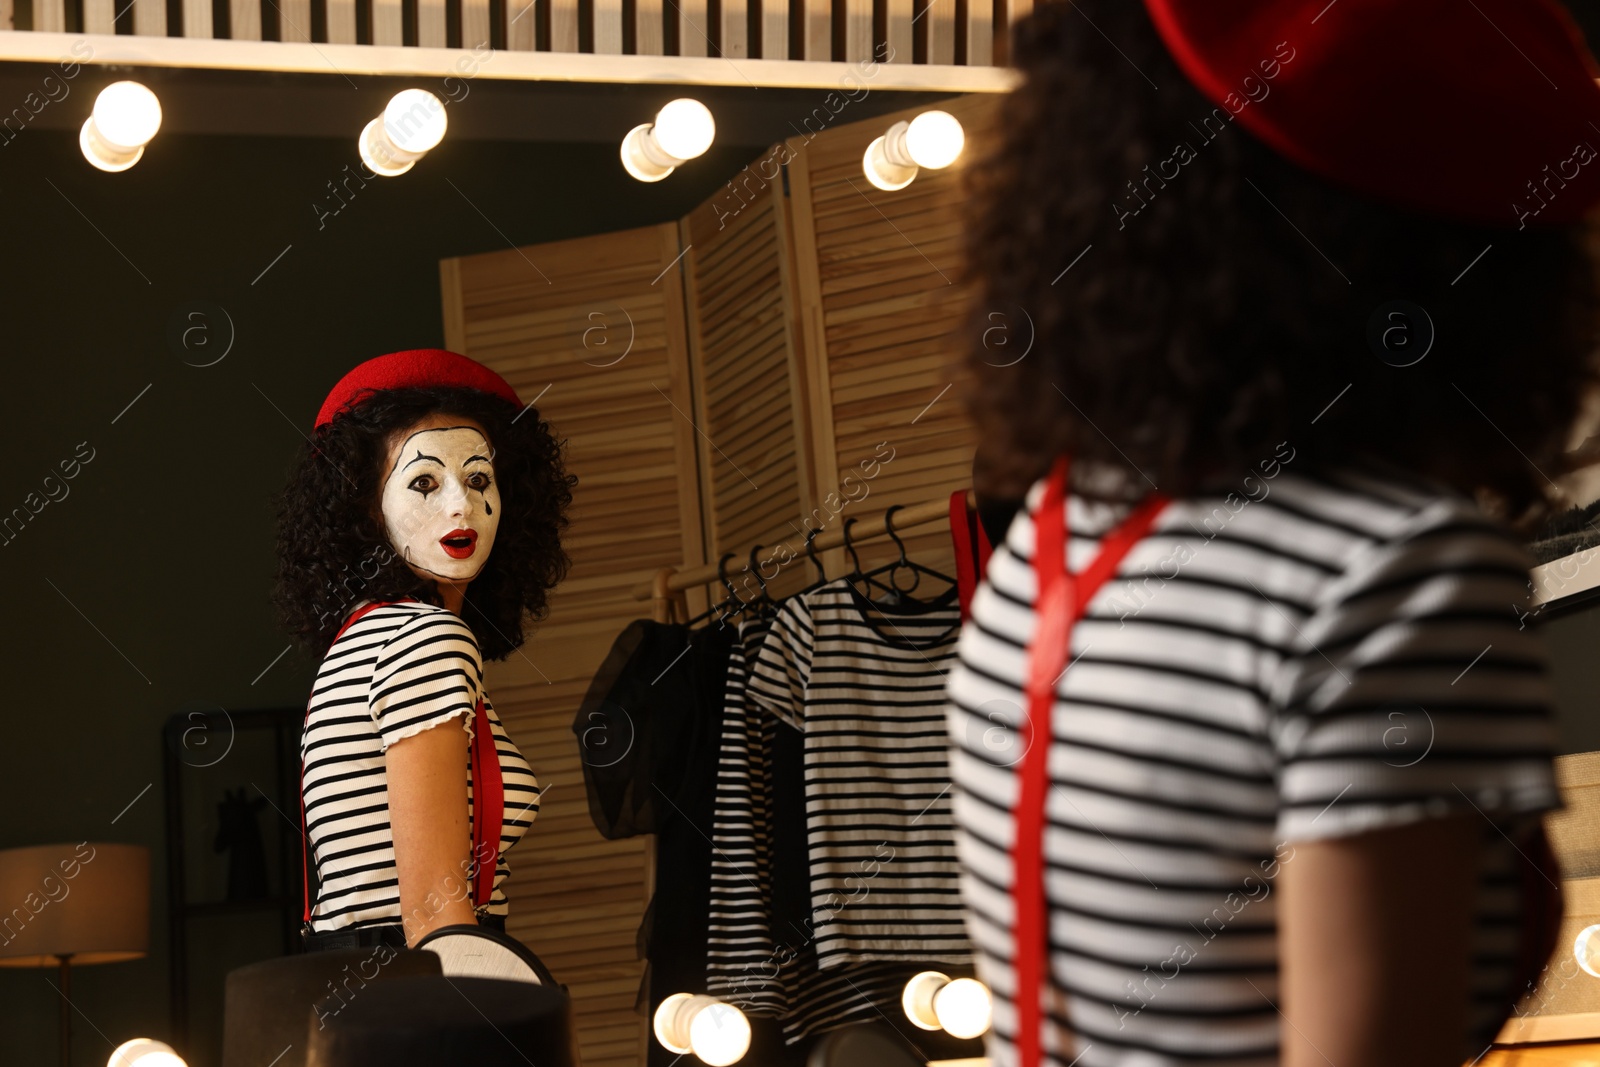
(648, 734)
(865, 685)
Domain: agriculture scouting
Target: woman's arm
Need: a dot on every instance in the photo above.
(428, 816)
(1374, 946)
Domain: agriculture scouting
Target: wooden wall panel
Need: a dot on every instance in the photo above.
(750, 404)
(881, 296)
(593, 329)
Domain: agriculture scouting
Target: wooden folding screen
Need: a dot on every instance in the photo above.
(725, 381)
(592, 330)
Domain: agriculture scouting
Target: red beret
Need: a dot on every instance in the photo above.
(413, 367)
(1485, 111)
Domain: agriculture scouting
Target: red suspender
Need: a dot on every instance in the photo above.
(488, 789)
(970, 565)
(1060, 601)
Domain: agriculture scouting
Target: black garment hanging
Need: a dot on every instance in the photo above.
(648, 731)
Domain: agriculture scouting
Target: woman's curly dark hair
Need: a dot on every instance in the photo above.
(1227, 309)
(333, 551)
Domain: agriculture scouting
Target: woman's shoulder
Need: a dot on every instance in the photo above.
(410, 627)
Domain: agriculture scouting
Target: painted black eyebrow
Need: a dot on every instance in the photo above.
(420, 455)
(475, 459)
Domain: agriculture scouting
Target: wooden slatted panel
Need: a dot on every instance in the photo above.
(774, 16)
(8, 15)
(294, 20)
(522, 24)
(244, 20)
(748, 381)
(341, 21)
(387, 22)
(563, 25)
(149, 18)
(431, 24)
(941, 19)
(649, 30)
(735, 39)
(857, 30)
(608, 27)
(694, 31)
(596, 326)
(899, 27)
(475, 23)
(879, 284)
(51, 15)
(99, 16)
(818, 36)
(980, 33)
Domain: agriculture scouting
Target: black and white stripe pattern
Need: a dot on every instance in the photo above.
(396, 671)
(1336, 655)
(867, 688)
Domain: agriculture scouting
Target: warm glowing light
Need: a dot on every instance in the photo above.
(716, 1032)
(127, 114)
(882, 171)
(935, 139)
(962, 1008)
(684, 128)
(1586, 949)
(145, 1052)
(414, 121)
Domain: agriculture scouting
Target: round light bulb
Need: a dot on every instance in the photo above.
(964, 1008)
(414, 120)
(126, 114)
(145, 1052)
(377, 152)
(1586, 950)
(719, 1035)
(935, 139)
(883, 172)
(684, 128)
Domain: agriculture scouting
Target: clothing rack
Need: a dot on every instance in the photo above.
(667, 587)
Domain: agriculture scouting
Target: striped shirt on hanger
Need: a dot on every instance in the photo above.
(1338, 655)
(866, 686)
(399, 669)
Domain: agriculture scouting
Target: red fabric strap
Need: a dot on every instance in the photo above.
(488, 794)
(970, 565)
(1062, 597)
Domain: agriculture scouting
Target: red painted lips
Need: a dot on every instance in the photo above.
(459, 544)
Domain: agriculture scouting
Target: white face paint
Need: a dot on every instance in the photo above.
(441, 505)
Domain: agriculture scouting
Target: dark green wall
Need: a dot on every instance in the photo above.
(143, 592)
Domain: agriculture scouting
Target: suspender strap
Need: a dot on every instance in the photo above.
(488, 803)
(972, 560)
(1062, 597)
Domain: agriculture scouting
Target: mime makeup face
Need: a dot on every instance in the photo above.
(441, 505)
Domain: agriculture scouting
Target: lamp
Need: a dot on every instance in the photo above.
(683, 130)
(66, 904)
(144, 1052)
(961, 1008)
(126, 116)
(934, 139)
(412, 123)
(715, 1031)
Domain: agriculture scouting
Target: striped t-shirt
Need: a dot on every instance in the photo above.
(866, 686)
(1303, 659)
(399, 669)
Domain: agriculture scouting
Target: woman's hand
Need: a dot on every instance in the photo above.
(428, 817)
(1374, 935)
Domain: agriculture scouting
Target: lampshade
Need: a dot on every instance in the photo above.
(89, 901)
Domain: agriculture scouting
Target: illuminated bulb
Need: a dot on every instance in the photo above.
(683, 130)
(715, 1031)
(934, 139)
(412, 123)
(144, 1052)
(1586, 949)
(962, 1008)
(126, 116)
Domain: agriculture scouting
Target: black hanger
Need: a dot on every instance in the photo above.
(811, 554)
(902, 566)
(729, 605)
(856, 576)
(764, 600)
